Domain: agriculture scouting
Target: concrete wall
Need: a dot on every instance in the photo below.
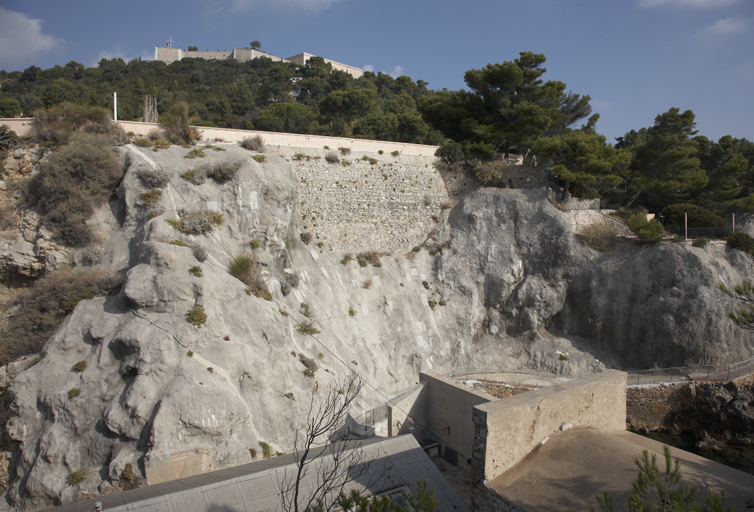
(294, 140)
(301, 59)
(402, 407)
(21, 125)
(209, 55)
(167, 55)
(508, 430)
(447, 412)
(583, 218)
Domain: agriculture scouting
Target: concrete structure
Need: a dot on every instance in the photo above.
(508, 430)
(293, 140)
(573, 467)
(22, 126)
(168, 55)
(396, 464)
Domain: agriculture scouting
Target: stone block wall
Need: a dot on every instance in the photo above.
(647, 407)
(386, 206)
(583, 218)
(508, 430)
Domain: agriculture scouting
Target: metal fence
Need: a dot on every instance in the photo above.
(530, 378)
(714, 372)
(718, 233)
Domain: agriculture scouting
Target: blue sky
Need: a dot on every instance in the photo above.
(635, 58)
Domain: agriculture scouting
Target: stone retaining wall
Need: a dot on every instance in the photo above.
(386, 206)
(580, 219)
(647, 407)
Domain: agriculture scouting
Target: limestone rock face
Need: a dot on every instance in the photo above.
(502, 283)
(660, 304)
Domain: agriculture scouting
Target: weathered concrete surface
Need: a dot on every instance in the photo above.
(255, 487)
(509, 429)
(573, 467)
(447, 407)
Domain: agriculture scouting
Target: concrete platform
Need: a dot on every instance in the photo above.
(573, 467)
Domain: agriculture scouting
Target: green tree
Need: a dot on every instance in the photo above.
(584, 161)
(666, 166)
(288, 117)
(508, 108)
(655, 490)
(10, 107)
(255, 45)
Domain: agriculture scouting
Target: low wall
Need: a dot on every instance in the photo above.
(21, 125)
(580, 219)
(295, 140)
(508, 430)
(647, 407)
(402, 407)
(447, 411)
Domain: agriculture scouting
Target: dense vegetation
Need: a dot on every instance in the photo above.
(507, 108)
(228, 93)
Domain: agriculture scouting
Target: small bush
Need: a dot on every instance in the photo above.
(369, 257)
(179, 243)
(290, 397)
(346, 259)
(72, 183)
(43, 306)
(128, 473)
(196, 315)
(380, 152)
(200, 222)
(195, 271)
(253, 453)
(175, 123)
(194, 176)
(741, 241)
(210, 369)
(650, 230)
(76, 477)
(307, 329)
(224, 172)
(266, 450)
(299, 156)
(306, 237)
(200, 253)
(700, 242)
(698, 217)
(244, 268)
(195, 153)
(255, 143)
(306, 310)
(432, 304)
(293, 279)
(598, 236)
(310, 364)
(152, 198)
(563, 357)
(79, 367)
(332, 157)
(161, 144)
(344, 151)
(260, 159)
(395, 153)
(190, 353)
(255, 244)
(74, 392)
(367, 284)
(152, 179)
(141, 142)
(351, 312)
(425, 284)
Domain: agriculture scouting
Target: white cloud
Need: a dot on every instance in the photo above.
(308, 5)
(368, 67)
(21, 39)
(725, 26)
(397, 71)
(602, 104)
(687, 3)
(115, 53)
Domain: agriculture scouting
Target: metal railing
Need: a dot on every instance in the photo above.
(714, 372)
(534, 379)
(525, 378)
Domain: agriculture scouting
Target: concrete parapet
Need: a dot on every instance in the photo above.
(22, 126)
(506, 431)
(402, 407)
(448, 407)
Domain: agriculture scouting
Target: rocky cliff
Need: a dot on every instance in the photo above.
(498, 280)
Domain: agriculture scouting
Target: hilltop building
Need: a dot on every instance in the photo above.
(168, 54)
